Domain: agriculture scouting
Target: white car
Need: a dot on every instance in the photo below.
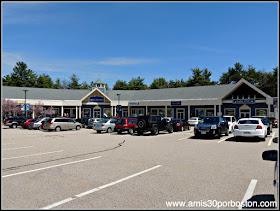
(231, 122)
(194, 120)
(250, 127)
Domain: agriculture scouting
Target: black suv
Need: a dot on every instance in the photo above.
(152, 123)
(15, 121)
(211, 125)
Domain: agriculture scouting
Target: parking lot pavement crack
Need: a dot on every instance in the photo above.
(74, 156)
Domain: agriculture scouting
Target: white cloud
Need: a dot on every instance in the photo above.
(10, 59)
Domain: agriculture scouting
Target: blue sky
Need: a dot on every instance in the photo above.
(118, 41)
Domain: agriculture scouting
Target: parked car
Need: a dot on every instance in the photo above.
(231, 122)
(186, 125)
(83, 121)
(178, 124)
(59, 124)
(126, 124)
(211, 125)
(271, 155)
(15, 121)
(250, 127)
(265, 121)
(37, 124)
(273, 121)
(107, 125)
(27, 122)
(92, 121)
(153, 124)
(194, 121)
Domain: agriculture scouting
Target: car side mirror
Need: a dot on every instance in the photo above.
(270, 155)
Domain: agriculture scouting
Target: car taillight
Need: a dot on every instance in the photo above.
(177, 124)
(7, 121)
(50, 123)
(93, 124)
(103, 125)
(259, 127)
(275, 121)
(235, 127)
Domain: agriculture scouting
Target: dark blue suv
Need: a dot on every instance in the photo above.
(212, 126)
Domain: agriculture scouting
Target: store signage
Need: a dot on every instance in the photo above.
(133, 103)
(275, 101)
(243, 101)
(96, 99)
(22, 107)
(175, 102)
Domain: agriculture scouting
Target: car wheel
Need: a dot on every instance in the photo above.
(155, 130)
(14, 126)
(170, 130)
(219, 133)
(57, 129)
(130, 131)
(140, 132)
(120, 132)
(109, 130)
(141, 123)
(226, 133)
(78, 127)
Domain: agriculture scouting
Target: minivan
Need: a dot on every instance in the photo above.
(59, 124)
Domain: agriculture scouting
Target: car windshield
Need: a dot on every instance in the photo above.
(210, 120)
(243, 122)
(228, 119)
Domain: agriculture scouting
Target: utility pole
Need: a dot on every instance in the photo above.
(118, 104)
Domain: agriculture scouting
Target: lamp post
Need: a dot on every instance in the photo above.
(25, 101)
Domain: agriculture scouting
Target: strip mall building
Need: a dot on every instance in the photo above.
(241, 100)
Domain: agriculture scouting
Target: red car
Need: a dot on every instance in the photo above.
(27, 122)
(180, 125)
(126, 124)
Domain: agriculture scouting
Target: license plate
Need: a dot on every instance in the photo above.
(203, 132)
(247, 133)
(202, 128)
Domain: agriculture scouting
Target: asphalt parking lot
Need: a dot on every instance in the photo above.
(86, 170)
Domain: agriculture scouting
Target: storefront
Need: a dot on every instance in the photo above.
(240, 100)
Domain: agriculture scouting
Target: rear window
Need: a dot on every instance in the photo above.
(253, 122)
(193, 118)
(103, 121)
(48, 120)
(176, 120)
(120, 121)
(228, 119)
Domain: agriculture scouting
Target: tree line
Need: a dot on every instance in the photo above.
(266, 81)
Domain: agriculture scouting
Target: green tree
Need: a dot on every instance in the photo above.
(20, 77)
(200, 78)
(120, 85)
(137, 84)
(159, 83)
(233, 75)
(58, 84)
(85, 85)
(74, 82)
(44, 81)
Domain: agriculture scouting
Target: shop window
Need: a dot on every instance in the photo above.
(261, 112)
(86, 112)
(209, 112)
(229, 112)
(107, 112)
(170, 112)
(199, 112)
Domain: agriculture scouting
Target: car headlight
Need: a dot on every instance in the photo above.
(214, 127)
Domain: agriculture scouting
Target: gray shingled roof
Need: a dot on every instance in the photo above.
(197, 92)
(43, 93)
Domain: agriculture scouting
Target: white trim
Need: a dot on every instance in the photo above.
(234, 109)
(96, 89)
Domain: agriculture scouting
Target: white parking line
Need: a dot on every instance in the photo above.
(18, 148)
(32, 155)
(224, 139)
(97, 189)
(24, 172)
(249, 192)
(7, 143)
(270, 141)
(183, 138)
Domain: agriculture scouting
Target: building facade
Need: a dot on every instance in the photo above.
(241, 100)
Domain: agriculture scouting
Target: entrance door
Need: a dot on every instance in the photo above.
(67, 112)
(180, 113)
(244, 113)
(96, 113)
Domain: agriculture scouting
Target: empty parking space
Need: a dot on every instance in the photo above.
(83, 169)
